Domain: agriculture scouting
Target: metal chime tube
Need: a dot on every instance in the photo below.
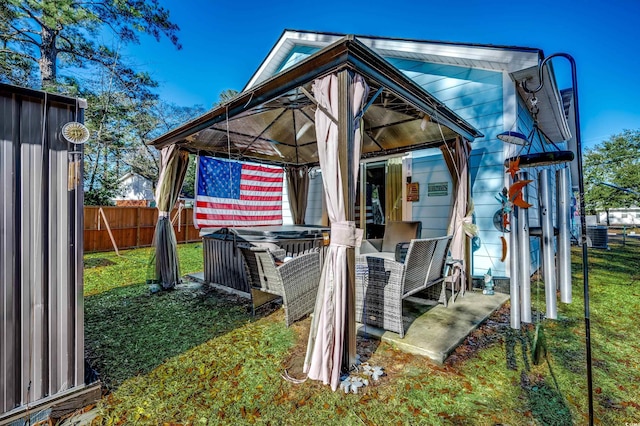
(524, 257)
(548, 258)
(513, 272)
(564, 233)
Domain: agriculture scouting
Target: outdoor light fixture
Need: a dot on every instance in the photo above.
(583, 223)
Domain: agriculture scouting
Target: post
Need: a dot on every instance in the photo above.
(137, 226)
(345, 155)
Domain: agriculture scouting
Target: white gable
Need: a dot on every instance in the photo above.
(520, 63)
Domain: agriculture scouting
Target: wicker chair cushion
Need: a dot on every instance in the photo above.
(399, 232)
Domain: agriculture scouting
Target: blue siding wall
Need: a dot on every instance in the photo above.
(477, 96)
(433, 211)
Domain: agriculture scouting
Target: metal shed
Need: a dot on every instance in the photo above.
(41, 249)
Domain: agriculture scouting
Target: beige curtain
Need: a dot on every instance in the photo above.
(393, 199)
(173, 167)
(326, 336)
(298, 192)
(456, 156)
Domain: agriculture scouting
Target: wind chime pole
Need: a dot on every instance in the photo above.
(583, 223)
(546, 243)
(583, 227)
(524, 256)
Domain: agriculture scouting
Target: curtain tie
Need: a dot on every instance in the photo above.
(163, 215)
(345, 234)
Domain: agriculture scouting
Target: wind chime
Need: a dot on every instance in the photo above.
(514, 219)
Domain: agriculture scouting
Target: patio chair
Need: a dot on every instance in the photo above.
(295, 280)
(394, 233)
(382, 283)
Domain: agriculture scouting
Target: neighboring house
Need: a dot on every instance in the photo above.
(620, 217)
(481, 84)
(135, 190)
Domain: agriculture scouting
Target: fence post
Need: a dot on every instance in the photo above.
(186, 226)
(137, 227)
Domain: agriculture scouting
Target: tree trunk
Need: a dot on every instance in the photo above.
(47, 61)
(94, 172)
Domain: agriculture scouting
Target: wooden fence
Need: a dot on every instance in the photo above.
(131, 227)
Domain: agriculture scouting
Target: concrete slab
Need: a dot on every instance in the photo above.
(435, 331)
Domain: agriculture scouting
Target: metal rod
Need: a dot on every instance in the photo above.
(564, 233)
(524, 256)
(546, 243)
(513, 272)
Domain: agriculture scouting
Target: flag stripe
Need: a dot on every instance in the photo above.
(237, 217)
(217, 208)
(230, 193)
(258, 188)
(235, 223)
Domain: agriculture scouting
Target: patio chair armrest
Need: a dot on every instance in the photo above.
(379, 291)
(401, 251)
(301, 273)
(300, 280)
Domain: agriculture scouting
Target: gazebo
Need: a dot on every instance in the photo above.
(340, 105)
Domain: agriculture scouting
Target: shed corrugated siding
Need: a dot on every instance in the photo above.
(477, 96)
(41, 301)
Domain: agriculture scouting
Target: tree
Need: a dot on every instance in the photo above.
(40, 37)
(610, 164)
(225, 96)
(121, 128)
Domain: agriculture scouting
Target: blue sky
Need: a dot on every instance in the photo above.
(224, 44)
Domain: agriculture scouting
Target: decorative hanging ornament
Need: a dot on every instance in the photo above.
(515, 138)
(76, 133)
(513, 167)
(515, 194)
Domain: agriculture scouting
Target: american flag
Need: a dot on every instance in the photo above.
(231, 193)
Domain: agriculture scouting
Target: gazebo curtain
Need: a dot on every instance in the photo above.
(173, 167)
(394, 190)
(298, 191)
(326, 336)
(456, 156)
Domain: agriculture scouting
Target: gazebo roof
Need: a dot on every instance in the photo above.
(273, 122)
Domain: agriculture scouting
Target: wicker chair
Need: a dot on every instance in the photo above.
(382, 283)
(296, 280)
(395, 233)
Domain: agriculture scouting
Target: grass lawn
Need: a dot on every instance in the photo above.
(198, 357)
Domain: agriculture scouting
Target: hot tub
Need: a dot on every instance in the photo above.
(223, 263)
